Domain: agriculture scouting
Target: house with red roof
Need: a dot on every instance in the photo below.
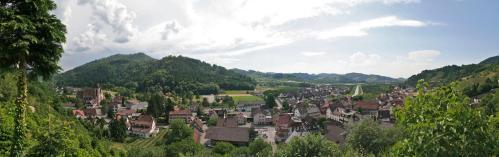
(283, 127)
(197, 125)
(181, 114)
(144, 126)
(79, 114)
(367, 108)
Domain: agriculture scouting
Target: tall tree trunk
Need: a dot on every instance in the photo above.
(20, 114)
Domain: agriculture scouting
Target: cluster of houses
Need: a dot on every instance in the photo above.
(308, 105)
(306, 108)
(130, 110)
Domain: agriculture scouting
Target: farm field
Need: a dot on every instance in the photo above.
(143, 143)
(229, 92)
(249, 98)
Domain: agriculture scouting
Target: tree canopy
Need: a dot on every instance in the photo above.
(311, 145)
(440, 122)
(368, 137)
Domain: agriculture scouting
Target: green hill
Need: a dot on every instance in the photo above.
(491, 60)
(143, 73)
(451, 73)
(475, 79)
(316, 78)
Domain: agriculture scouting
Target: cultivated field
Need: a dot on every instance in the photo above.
(249, 98)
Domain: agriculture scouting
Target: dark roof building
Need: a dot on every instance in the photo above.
(236, 136)
(335, 134)
(230, 122)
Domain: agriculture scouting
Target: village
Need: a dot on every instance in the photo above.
(324, 109)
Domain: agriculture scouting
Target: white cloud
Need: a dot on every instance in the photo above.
(360, 59)
(219, 31)
(64, 10)
(423, 55)
(361, 28)
(211, 24)
(311, 53)
(170, 29)
(116, 15)
(91, 38)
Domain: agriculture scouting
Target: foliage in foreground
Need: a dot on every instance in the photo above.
(369, 137)
(440, 122)
(51, 130)
(309, 146)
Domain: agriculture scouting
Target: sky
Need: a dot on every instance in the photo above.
(396, 38)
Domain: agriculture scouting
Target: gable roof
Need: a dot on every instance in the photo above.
(227, 122)
(181, 112)
(255, 111)
(366, 105)
(145, 118)
(92, 112)
(284, 119)
(228, 134)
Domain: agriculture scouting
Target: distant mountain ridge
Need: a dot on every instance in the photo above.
(143, 73)
(323, 78)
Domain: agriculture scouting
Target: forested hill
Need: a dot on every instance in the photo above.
(143, 73)
(473, 78)
(487, 68)
(317, 78)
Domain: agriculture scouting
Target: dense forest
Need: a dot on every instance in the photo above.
(273, 78)
(142, 73)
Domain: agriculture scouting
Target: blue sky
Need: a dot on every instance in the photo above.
(396, 38)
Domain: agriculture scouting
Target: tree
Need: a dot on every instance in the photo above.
(490, 104)
(322, 122)
(205, 102)
(117, 130)
(168, 107)
(199, 111)
(111, 113)
(184, 147)
(31, 44)
(285, 106)
(310, 145)
(178, 131)
(223, 148)
(368, 137)
(156, 105)
(270, 101)
(229, 101)
(100, 130)
(260, 148)
(212, 121)
(240, 151)
(440, 122)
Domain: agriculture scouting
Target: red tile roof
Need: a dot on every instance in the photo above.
(125, 112)
(366, 105)
(78, 112)
(284, 119)
(181, 112)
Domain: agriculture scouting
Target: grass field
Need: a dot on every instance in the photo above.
(236, 92)
(246, 99)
